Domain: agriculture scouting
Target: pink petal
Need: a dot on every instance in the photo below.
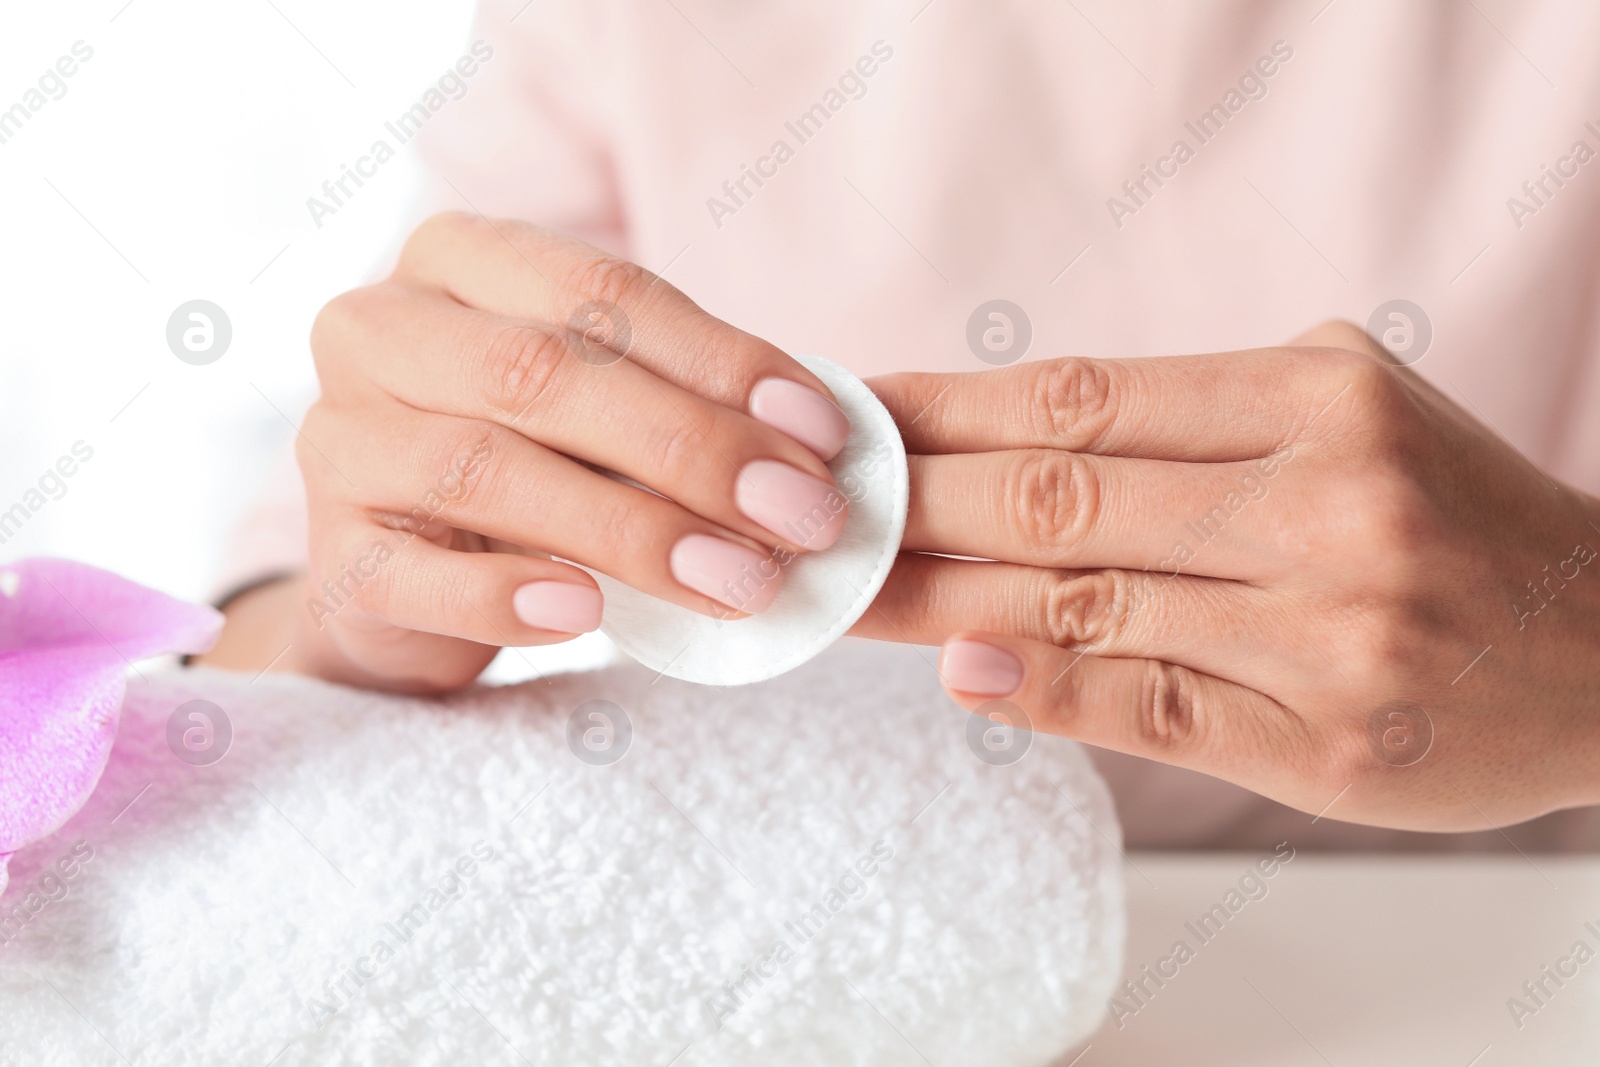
(67, 634)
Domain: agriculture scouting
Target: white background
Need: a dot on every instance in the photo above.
(190, 141)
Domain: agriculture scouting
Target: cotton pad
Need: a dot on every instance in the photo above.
(823, 593)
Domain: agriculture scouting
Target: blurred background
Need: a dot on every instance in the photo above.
(174, 164)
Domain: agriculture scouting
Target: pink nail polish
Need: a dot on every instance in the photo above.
(803, 510)
(563, 607)
(980, 669)
(728, 573)
(801, 413)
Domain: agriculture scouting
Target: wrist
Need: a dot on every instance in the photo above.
(259, 624)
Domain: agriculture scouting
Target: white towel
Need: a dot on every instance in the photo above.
(539, 907)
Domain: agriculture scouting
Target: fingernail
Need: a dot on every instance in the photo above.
(730, 574)
(804, 414)
(803, 510)
(980, 669)
(564, 607)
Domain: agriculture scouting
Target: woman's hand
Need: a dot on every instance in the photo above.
(1303, 570)
(470, 402)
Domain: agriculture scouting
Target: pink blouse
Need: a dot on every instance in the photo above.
(854, 179)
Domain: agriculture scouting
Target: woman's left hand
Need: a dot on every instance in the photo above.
(1303, 569)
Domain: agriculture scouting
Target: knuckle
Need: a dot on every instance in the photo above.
(448, 223)
(1343, 334)
(1055, 497)
(1167, 706)
(315, 466)
(1088, 610)
(1375, 394)
(912, 600)
(519, 363)
(609, 279)
(1073, 403)
(413, 586)
(343, 565)
(677, 447)
(721, 351)
(450, 467)
(1073, 705)
(1366, 408)
(310, 427)
(307, 460)
(1393, 520)
(435, 230)
(342, 323)
(1353, 651)
(633, 530)
(1371, 382)
(1389, 640)
(1337, 757)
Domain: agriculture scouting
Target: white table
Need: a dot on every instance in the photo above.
(1361, 961)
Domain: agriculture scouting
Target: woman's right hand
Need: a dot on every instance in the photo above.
(469, 403)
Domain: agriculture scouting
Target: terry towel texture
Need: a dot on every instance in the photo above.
(367, 879)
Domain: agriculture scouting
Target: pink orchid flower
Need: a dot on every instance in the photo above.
(68, 633)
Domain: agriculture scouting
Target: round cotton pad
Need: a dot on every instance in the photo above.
(823, 593)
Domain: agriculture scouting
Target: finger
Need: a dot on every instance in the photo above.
(475, 476)
(1220, 407)
(1142, 707)
(1203, 623)
(522, 271)
(419, 616)
(492, 598)
(1050, 508)
(436, 355)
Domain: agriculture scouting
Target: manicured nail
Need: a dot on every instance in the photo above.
(731, 574)
(804, 511)
(804, 414)
(564, 607)
(980, 669)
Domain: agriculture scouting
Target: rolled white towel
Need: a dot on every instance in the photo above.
(814, 870)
